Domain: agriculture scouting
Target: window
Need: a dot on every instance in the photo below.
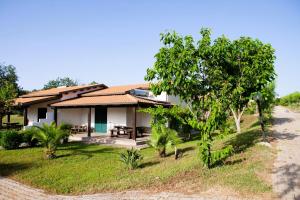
(42, 112)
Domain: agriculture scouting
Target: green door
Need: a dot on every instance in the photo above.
(101, 120)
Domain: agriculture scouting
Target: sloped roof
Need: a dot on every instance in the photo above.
(30, 100)
(125, 99)
(59, 90)
(116, 90)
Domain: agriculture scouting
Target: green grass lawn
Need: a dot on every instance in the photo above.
(82, 168)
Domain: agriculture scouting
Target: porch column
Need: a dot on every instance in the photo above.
(134, 123)
(89, 121)
(8, 117)
(55, 116)
(25, 121)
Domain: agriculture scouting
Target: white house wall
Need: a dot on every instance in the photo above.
(79, 116)
(75, 116)
(32, 111)
(143, 119)
(116, 116)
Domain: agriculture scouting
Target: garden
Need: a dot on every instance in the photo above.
(83, 169)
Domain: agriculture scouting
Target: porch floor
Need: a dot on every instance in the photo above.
(121, 141)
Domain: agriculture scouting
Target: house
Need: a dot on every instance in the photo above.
(97, 107)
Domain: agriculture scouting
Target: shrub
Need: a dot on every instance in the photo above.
(290, 99)
(28, 136)
(10, 139)
(163, 137)
(67, 129)
(49, 136)
(131, 158)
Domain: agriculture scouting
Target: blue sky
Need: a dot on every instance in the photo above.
(113, 42)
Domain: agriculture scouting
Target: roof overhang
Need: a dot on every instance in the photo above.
(33, 100)
(112, 100)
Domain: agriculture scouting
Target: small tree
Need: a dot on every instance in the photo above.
(50, 136)
(249, 67)
(7, 95)
(162, 137)
(8, 88)
(66, 81)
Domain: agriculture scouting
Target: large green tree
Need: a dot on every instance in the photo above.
(66, 81)
(212, 77)
(185, 68)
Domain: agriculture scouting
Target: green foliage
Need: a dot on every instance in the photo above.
(268, 98)
(67, 129)
(290, 99)
(176, 116)
(8, 88)
(8, 75)
(10, 139)
(66, 81)
(162, 137)
(131, 158)
(28, 136)
(251, 108)
(65, 126)
(8, 92)
(50, 136)
(211, 76)
(94, 83)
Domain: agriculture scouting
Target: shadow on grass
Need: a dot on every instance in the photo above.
(149, 164)
(233, 162)
(11, 168)
(243, 141)
(181, 150)
(83, 149)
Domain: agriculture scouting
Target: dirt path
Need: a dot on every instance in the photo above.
(286, 174)
(12, 190)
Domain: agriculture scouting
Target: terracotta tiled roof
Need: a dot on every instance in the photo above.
(114, 90)
(30, 100)
(125, 99)
(59, 90)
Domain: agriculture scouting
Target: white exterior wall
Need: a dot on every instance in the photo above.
(161, 97)
(116, 116)
(169, 98)
(75, 116)
(143, 119)
(32, 114)
(79, 116)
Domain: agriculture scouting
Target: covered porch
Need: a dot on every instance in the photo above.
(140, 142)
(109, 121)
(107, 115)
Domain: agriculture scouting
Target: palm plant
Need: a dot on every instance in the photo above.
(50, 136)
(131, 158)
(162, 138)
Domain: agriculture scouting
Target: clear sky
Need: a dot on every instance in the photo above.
(113, 42)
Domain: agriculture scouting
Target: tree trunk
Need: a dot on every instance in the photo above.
(237, 118)
(261, 119)
(1, 116)
(162, 152)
